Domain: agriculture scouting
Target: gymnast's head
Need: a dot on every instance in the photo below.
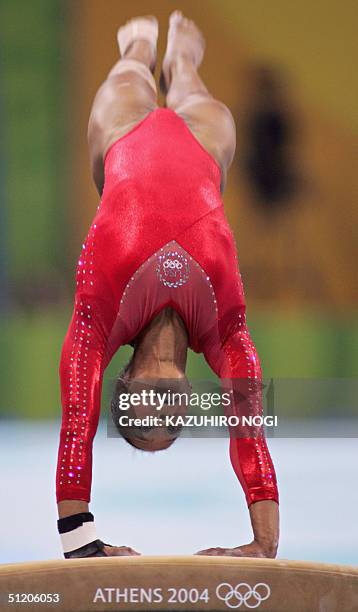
(146, 412)
(152, 391)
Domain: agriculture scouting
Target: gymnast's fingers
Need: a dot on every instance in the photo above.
(221, 552)
(211, 552)
(119, 551)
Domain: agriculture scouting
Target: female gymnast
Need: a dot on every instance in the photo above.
(158, 270)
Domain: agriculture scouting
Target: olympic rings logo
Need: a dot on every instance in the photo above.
(234, 597)
(172, 269)
(169, 263)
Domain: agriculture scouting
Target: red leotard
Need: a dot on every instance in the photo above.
(160, 238)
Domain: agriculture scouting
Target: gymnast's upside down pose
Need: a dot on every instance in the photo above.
(158, 270)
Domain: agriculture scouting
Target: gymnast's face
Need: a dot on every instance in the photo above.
(145, 411)
(155, 433)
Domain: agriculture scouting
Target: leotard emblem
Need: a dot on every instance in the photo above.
(172, 269)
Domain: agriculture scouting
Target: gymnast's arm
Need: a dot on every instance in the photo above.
(81, 371)
(236, 362)
(83, 360)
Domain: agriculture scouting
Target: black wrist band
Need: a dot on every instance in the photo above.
(69, 523)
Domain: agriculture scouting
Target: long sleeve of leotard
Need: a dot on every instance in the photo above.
(236, 362)
(83, 360)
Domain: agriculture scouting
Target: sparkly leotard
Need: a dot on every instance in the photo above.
(160, 238)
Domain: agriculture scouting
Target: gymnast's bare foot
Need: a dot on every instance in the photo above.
(119, 551)
(247, 550)
(137, 39)
(184, 41)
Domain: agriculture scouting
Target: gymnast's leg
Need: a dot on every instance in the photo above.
(127, 95)
(209, 119)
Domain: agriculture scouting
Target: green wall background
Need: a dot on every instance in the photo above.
(33, 87)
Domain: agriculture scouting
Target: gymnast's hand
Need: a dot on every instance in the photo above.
(100, 549)
(265, 523)
(247, 550)
(77, 522)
